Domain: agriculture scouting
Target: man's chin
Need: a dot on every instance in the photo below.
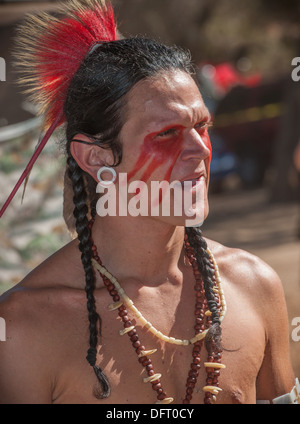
(195, 219)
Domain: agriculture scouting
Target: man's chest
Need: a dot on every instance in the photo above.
(173, 366)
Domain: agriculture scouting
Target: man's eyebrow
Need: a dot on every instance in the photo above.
(205, 117)
(199, 113)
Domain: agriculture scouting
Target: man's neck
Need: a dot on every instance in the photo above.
(141, 248)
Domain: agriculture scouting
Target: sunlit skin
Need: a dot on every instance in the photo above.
(43, 359)
(169, 132)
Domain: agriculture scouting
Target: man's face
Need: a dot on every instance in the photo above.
(165, 138)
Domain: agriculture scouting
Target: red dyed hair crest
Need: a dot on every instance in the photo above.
(49, 52)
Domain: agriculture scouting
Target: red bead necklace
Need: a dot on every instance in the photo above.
(202, 322)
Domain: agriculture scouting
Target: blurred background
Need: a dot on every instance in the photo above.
(243, 54)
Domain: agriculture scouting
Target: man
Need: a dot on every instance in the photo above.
(132, 108)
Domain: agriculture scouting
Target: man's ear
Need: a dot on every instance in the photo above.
(89, 156)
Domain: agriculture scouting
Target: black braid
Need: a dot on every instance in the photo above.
(197, 242)
(85, 244)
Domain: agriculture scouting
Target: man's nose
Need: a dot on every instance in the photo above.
(196, 145)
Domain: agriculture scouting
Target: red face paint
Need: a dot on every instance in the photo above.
(156, 151)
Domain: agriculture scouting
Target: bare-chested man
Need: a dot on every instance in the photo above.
(134, 108)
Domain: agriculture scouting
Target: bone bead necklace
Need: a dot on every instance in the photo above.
(121, 302)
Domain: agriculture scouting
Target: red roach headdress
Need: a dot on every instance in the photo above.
(49, 52)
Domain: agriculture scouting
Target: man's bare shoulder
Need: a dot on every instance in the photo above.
(57, 271)
(49, 284)
(255, 295)
(249, 275)
(38, 312)
(253, 288)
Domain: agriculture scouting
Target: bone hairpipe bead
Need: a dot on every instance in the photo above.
(212, 389)
(126, 330)
(151, 378)
(114, 306)
(113, 280)
(146, 352)
(126, 299)
(199, 336)
(121, 291)
(214, 365)
(165, 401)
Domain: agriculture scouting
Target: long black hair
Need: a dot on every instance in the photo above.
(96, 106)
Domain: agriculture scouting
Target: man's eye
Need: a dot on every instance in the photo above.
(167, 133)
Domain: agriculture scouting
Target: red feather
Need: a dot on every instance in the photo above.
(61, 49)
(50, 50)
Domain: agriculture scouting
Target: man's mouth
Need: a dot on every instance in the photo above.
(193, 182)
